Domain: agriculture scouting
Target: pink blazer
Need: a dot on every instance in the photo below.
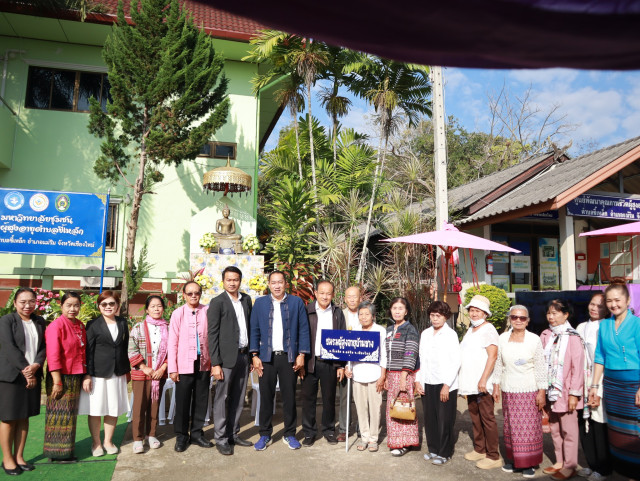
(183, 348)
(572, 372)
(65, 352)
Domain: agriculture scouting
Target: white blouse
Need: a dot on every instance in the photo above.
(439, 357)
(366, 372)
(473, 349)
(520, 366)
(30, 341)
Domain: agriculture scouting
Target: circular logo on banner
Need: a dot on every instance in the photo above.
(39, 202)
(14, 200)
(62, 202)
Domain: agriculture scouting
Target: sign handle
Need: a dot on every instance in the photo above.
(104, 238)
(346, 448)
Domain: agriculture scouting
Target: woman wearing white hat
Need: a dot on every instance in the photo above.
(479, 350)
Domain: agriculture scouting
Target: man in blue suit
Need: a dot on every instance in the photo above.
(278, 342)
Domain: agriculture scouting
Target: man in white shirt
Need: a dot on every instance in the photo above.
(228, 320)
(323, 315)
(352, 298)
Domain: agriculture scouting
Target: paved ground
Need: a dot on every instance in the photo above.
(321, 462)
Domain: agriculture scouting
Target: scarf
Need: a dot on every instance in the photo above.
(162, 351)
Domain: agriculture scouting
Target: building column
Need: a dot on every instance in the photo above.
(567, 251)
(486, 233)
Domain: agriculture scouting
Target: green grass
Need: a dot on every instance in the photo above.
(88, 467)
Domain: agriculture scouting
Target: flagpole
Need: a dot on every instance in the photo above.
(104, 238)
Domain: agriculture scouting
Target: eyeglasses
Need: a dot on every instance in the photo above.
(518, 318)
(32, 302)
(108, 304)
(191, 294)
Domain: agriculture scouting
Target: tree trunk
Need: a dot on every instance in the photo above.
(295, 126)
(313, 165)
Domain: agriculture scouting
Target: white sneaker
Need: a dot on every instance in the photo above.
(584, 472)
(596, 476)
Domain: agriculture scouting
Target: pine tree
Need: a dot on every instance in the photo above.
(168, 97)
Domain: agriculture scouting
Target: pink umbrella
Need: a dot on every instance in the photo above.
(632, 228)
(449, 240)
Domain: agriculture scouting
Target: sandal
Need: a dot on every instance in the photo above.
(138, 447)
(154, 443)
(373, 447)
(362, 446)
(399, 452)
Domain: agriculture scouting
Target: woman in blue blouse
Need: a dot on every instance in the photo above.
(618, 357)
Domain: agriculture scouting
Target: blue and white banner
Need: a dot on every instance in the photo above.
(589, 205)
(52, 223)
(355, 346)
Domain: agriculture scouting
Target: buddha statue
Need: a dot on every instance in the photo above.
(226, 233)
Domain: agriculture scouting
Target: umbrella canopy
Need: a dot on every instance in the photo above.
(632, 228)
(450, 239)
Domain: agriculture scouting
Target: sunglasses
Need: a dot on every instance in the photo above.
(190, 294)
(108, 304)
(518, 318)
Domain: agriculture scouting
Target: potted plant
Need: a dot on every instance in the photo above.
(258, 283)
(208, 242)
(250, 244)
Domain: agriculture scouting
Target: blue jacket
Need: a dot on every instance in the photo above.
(295, 328)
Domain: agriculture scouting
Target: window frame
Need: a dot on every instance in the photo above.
(213, 145)
(112, 227)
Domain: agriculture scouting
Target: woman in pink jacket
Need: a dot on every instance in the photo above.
(565, 356)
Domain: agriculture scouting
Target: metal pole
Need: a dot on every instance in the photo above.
(104, 237)
(346, 448)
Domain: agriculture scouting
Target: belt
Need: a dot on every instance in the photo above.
(243, 350)
(279, 353)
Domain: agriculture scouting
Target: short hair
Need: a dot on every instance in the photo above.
(233, 269)
(439, 307)
(402, 301)
(368, 305)
(22, 290)
(276, 272)
(324, 281)
(68, 295)
(617, 283)
(519, 307)
(151, 298)
(106, 295)
(184, 288)
(561, 305)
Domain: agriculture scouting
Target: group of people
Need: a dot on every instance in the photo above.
(560, 377)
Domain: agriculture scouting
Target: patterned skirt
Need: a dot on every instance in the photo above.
(522, 429)
(61, 416)
(623, 416)
(400, 434)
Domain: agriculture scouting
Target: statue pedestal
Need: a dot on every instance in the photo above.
(214, 264)
(229, 242)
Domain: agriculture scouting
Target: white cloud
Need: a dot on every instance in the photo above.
(557, 76)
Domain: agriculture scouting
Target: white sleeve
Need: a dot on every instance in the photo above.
(453, 366)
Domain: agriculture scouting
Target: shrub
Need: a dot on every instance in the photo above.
(499, 306)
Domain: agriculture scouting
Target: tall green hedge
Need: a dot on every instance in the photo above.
(499, 306)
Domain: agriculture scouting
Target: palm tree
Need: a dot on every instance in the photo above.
(291, 96)
(392, 88)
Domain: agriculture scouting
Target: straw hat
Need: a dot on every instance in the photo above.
(481, 303)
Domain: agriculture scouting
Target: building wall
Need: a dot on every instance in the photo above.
(52, 150)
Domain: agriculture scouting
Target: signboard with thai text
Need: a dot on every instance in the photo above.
(356, 346)
(591, 205)
(52, 223)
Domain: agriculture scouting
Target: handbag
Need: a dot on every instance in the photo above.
(403, 410)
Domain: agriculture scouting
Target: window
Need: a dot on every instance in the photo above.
(219, 150)
(56, 89)
(111, 243)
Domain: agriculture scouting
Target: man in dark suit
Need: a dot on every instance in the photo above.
(228, 321)
(323, 314)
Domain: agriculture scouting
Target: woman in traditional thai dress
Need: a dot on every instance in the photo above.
(565, 355)
(148, 358)
(104, 388)
(593, 421)
(401, 344)
(368, 382)
(520, 375)
(437, 381)
(617, 357)
(66, 341)
(22, 354)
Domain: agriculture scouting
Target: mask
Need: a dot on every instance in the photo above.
(477, 323)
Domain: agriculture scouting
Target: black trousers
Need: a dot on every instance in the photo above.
(279, 368)
(439, 419)
(595, 445)
(325, 374)
(192, 399)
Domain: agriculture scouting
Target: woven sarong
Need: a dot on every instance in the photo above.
(522, 429)
(61, 416)
(400, 434)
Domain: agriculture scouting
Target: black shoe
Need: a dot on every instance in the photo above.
(307, 442)
(202, 442)
(26, 467)
(331, 438)
(241, 442)
(69, 460)
(12, 472)
(180, 446)
(224, 449)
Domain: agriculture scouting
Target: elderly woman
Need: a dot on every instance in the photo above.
(437, 381)
(148, 343)
(105, 385)
(368, 382)
(617, 356)
(22, 354)
(401, 345)
(66, 341)
(520, 374)
(565, 356)
(479, 350)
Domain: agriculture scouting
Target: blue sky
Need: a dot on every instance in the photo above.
(603, 106)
